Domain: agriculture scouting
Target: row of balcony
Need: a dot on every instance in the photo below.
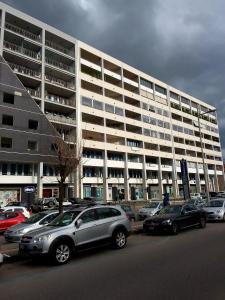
(58, 99)
(26, 71)
(22, 50)
(60, 118)
(23, 32)
(59, 64)
(60, 82)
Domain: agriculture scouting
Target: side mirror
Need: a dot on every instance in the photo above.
(78, 223)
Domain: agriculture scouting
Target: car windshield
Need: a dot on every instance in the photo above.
(171, 209)
(126, 208)
(215, 203)
(35, 218)
(2, 217)
(152, 205)
(65, 218)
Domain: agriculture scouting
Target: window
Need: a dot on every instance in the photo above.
(160, 89)
(89, 216)
(7, 120)
(8, 98)
(118, 111)
(32, 124)
(146, 83)
(174, 96)
(87, 101)
(6, 142)
(4, 169)
(32, 146)
(13, 169)
(106, 212)
(97, 104)
(109, 108)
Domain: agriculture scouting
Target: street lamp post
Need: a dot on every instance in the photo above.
(203, 155)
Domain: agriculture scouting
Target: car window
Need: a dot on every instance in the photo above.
(107, 212)
(89, 216)
(2, 217)
(49, 218)
(11, 216)
(126, 208)
(65, 218)
(11, 209)
(35, 218)
(18, 209)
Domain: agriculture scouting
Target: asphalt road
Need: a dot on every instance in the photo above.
(188, 266)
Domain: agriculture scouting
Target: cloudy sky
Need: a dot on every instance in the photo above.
(181, 42)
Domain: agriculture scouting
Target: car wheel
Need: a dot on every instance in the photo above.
(174, 228)
(61, 253)
(50, 204)
(119, 239)
(202, 222)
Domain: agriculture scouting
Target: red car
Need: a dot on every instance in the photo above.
(8, 219)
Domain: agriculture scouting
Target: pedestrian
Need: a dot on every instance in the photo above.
(166, 199)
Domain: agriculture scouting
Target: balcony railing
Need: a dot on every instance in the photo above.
(24, 70)
(23, 32)
(57, 47)
(58, 64)
(60, 100)
(59, 82)
(60, 118)
(22, 50)
(34, 93)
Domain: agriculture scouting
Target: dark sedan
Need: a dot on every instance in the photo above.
(174, 218)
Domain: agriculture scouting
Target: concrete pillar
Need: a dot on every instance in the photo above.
(105, 177)
(2, 32)
(216, 180)
(197, 180)
(126, 179)
(144, 175)
(160, 184)
(40, 180)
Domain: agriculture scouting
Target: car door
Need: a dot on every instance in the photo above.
(185, 217)
(106, 217)
(11, 219)
(87, 231)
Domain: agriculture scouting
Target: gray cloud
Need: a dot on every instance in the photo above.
(180, 42)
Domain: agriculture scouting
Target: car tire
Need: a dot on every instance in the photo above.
(202, 222)
(50, 204)
(174, 228)
(61, 253)
(119, 239)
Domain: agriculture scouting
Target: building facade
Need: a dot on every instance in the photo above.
(133, 129)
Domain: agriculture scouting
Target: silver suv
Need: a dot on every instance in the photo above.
(77, 228)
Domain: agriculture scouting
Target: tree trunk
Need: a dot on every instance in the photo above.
(61, 196)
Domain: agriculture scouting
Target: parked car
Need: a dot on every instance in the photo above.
(149, 210)
(197, 202)
(221, 195)
(14, 233)
(1, 259)
(128, 210)
(8, 219)
(77, 228)
(43, 203)
(20, 209)
(215, 209)
(174, 218)
(197, 196)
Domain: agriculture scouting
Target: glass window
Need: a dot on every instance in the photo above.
(6, 142)
(49, 218)
(86, 101)
(32, 146)
(97, 104)
(160, 89)
(12, 169)
(174, 96)
(4, 169)
(7, 120)
(109, 108)
(32, 124)
(160, 123)
(145, 119)
(144, 105)
(146, 83)
(89, 216)
(8, 98)
(118, 111)
(152, 121)
(146, 131)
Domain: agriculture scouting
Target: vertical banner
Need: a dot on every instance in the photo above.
(185, 179)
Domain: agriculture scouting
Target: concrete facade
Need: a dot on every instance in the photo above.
(133, 129)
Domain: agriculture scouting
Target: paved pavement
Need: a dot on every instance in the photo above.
(189, 266)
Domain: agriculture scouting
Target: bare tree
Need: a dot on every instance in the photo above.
(68, 158)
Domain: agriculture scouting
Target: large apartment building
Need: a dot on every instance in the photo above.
(133, 129)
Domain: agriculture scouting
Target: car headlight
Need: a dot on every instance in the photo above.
(42, 238)
(22, 231)
(219, 211)
(167, 222)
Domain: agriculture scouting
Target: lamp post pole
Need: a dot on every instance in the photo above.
(203, 155)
